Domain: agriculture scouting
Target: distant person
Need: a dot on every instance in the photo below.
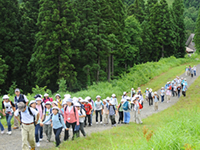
(162, 94)
(8, 111)
(189, 69)
(28, 128)
(112, 112)
(126, 109)
(150, 97)
(195, 70)
(88, 109)
(175, 90)
(179, 89)
(91, 102)
(137, 113)
(147, 94)
(19, 98)
(132, 92)
(58, 100)
(98, 107)
(105, 112)
(47, 98)
(113, 100)
(168, 94)
(186, 71)
(124, 95)
(184, 90)
(192, 72)
(156, 99)
(120, 111)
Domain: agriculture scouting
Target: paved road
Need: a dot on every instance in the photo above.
(13, 142)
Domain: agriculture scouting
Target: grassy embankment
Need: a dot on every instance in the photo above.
(174, 128)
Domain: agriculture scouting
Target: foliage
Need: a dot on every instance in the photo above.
(12, 88)
(3, 71)
(197, 34)
(62, 85)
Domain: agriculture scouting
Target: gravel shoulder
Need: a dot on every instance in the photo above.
(13, 142)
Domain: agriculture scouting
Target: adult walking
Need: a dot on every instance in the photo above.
(156, 99)
(19, 98)
(28, 129)
(179, 90)
(184, 90)
(195, 70)
(8, 111)
(150, 97)
(137, 113)
(71, 118)
(147, 94)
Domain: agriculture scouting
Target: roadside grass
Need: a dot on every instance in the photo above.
(174, 128)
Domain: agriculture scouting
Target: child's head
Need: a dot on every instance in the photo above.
(122, 100)
(98, 98)
(55, 110)
(54, 104)
(104, 102)
(69, 101)
(46, 96)
(124, 93)
(6, 98)
(48, 105)
(113, 95)
(77, 105)
(32, 104)
(38, 101)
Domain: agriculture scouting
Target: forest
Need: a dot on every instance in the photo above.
(84, 42)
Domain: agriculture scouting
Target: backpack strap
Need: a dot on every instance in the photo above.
(30, 112)
(74, 112)
(59, 117)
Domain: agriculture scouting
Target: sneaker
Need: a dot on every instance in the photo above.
(101, 122)
(2, 132)
(115, 125)
(40, 139)
(9, 133)
(15, 128)
(97, 123)
(38, 144)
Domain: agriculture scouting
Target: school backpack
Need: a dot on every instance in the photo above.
(59, 117)
(73, 109)
(125, 106)
(30, 112)
(170, 87)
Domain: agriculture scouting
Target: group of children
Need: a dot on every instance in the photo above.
(60, 115)
(190, 71)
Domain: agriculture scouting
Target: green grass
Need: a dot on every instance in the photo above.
(173, 128)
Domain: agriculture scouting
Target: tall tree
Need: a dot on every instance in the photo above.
(9, 40)
(197, 34)
(57, 26)
(138, 10)
(178, 19)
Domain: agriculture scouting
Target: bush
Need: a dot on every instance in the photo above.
(12, 88)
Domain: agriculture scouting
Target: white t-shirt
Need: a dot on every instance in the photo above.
(8, 106)
(48, 114)
(83, 114)
(25, 116)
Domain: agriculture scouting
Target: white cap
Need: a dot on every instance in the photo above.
(181, 77)
(122, 100)
(64, 103)
(5, 97)
(67, 96)
(137, 96)
(79, 98)
(77, 105)
(75, 99)
(150, 90)
(132, 89)
(17, 90)
(155, 92)
(124, 93)
(54, 102)
(58, 95)
(98, 96)
(108, 98)
(104, 100)
(31, 102)
(82, 100)
(183, 83)
(45, 95)
(185, 79)
(134, 98)
(55, 107)
(48, 103)
(113, 95)
(88, 97)
(86, 100)
(38, 99)
(128, 98)
(147, 88)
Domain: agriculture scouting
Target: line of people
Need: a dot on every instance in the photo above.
(59, 115)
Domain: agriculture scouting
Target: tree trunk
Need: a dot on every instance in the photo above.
(109, 63)
(112, 57)
(162, 51)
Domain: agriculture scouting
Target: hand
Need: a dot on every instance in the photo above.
(138, 112)
(67, 129)
(4, 114)
(41, 124)
(52, 125)
(35, 122)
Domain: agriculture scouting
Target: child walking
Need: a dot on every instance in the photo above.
(162, 94)
(98, 106)
(168, 94)
(58, 124)
(120, 111)
(126, 109)
(82, 116)
(8, 111)
(47, 125)
(137, 115)
(105, 112)
(112, 112)
(88, 109)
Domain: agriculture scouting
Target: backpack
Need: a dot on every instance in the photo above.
(150, 96)
(140, 106)
(30, 112)
(170, 87)
(125, 106)
(46, 111)
(59, 117)
(73, 109)
(112, 106)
